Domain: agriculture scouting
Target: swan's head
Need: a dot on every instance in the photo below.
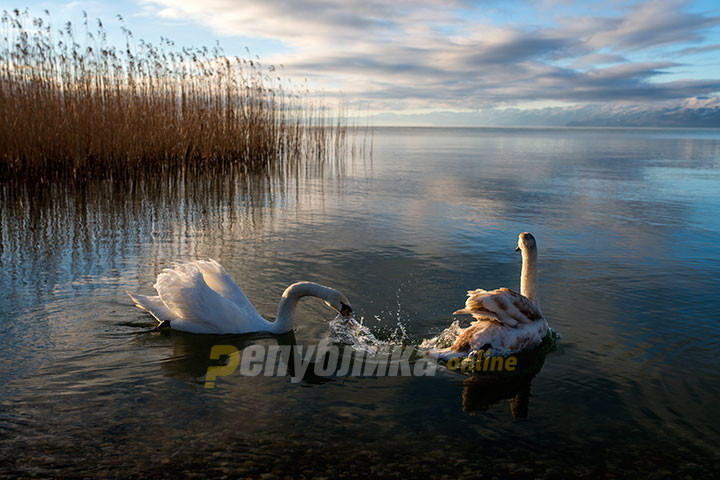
(526, 243)
(332, 298)
(339, 302)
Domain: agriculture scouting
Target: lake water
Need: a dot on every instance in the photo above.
(627, 223)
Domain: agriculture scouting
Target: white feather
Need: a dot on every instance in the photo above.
(200, 297)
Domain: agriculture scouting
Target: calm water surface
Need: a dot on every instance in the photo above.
(627, 223)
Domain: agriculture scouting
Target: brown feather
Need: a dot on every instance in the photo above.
(503, 306)
(465, 341)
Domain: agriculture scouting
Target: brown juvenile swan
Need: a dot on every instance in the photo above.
(505, 321)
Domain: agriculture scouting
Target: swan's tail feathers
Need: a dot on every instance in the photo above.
(463, 311)
(153, 305)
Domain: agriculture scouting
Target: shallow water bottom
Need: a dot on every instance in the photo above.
(340, 446)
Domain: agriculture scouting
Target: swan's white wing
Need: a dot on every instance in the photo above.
(200, 309)
(153, 305)
(502, 305)
(218, 279)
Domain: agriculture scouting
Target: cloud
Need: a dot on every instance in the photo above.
(588, 61)
(694, 112)
(652, 24)
(300, 23)
(696, 50)
(463, 55)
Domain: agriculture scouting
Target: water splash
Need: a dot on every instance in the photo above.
(348, 331)
(396, 334)
(445, 339)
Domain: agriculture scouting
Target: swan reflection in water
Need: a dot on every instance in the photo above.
(191, 359)
(481, 390)
(191, 355)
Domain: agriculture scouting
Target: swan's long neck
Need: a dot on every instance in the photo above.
(290, 298)
(529, 276)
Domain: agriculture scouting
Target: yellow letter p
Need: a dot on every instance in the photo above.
(214, 371)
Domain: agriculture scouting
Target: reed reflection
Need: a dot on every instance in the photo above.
(52, 233)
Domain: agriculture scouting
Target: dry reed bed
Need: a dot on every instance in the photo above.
(73, 112)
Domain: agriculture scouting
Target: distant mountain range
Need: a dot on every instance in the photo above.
(698, 112)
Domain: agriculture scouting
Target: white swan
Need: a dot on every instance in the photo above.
(200, 297)
(505, 321)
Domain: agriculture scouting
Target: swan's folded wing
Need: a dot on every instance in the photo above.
(199, 308)
(218, 279)
(502, 305)
(526, 306)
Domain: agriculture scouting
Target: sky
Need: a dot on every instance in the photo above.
(458, 62)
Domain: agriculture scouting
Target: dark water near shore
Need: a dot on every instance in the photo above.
(627, 223)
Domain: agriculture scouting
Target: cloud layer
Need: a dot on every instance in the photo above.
(458, 55)
(694, 112)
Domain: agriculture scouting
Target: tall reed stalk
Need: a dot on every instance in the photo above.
(72, 110)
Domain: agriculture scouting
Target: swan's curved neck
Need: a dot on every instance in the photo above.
(290, 298)
(529, 276)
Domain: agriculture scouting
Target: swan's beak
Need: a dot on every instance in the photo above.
(346, 310)
(517, 249)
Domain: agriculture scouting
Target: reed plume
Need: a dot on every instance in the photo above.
(73, 112)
